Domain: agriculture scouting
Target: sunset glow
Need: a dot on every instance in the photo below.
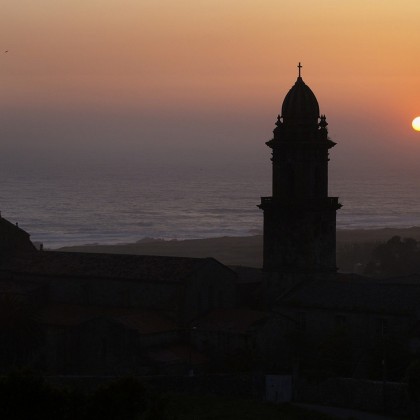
(210, 70)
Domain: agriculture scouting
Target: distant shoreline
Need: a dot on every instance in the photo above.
(245, 250)
(376, 234)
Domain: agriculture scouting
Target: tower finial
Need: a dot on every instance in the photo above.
(299, 67)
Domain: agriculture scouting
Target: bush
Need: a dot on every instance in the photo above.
(24, 395)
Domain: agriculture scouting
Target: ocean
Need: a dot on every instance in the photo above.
(109, 205)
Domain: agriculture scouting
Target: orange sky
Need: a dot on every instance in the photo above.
(215, 71)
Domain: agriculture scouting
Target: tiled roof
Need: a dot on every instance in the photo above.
(406, 279)
(114, 266)
(6, 226)
(178, 354)
(68, 315)
(13, 239)
(247, 275)
(144, 322)
(237, 320)
(147, 322)
(358, 295)
(18, 287)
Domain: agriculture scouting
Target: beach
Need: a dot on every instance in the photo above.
(245, 251)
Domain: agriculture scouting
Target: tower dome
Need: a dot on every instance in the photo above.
(300, 103)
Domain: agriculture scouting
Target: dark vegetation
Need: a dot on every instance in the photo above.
(337, 356)
(27, 396)
(218, 408)
(353, 257)
(396, 257)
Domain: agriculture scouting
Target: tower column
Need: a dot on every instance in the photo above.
(300, 217)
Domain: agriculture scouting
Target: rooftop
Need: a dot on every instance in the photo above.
(143, 268)
(144, 322)
(356, 295)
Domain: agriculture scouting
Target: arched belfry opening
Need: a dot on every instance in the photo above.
(300, 217)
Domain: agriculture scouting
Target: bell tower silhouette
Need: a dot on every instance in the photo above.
(300, 217)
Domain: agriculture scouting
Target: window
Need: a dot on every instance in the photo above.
(301, 321)
(220, 299)
(210, 297)
(340, 321)
(104, 349)
(382, 327)
(291, 181)
(317, 182)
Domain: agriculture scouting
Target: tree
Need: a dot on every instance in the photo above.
(394, 258)
(126, 399)
(24, 395)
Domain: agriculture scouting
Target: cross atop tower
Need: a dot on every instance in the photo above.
(299, 67)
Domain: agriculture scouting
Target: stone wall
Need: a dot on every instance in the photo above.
(370, 396)
(223, 385)
(211, 287)
(105, 292)
(364, 395)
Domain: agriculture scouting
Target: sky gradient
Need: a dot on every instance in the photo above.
(201, 82)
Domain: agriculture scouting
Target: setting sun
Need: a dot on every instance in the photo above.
(416, 123)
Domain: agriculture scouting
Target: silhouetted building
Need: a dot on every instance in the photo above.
(185, 287)
(13, 239)
(299, 217)
(105, 313)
